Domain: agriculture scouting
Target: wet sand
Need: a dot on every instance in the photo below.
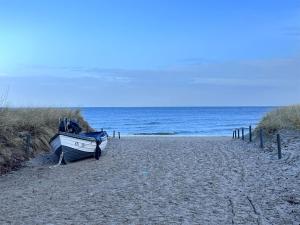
(157, 180)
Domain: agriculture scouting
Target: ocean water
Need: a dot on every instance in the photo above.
(200, 121)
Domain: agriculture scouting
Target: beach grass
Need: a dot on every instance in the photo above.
(40, 123)
(283, 118)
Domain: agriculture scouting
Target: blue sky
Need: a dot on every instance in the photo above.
(150, 53)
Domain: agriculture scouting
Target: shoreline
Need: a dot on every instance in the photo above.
(173, 136)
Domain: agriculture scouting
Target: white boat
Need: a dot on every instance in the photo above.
(71, 145)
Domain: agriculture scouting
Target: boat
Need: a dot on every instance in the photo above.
(70, 144)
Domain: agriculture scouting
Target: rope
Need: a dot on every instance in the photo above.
(59, 161)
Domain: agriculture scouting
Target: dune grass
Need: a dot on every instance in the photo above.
(282, 118)
(40, 123)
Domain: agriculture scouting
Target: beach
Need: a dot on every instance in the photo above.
(157, 180)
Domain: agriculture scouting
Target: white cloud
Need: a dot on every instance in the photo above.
(3, 74)
(238, 82)
(270, 82)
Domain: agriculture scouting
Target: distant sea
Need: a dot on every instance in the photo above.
(196, 121)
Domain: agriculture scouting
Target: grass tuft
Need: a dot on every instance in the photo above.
(282, 118)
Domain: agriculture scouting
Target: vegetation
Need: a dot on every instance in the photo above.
(281, 118)
(40, 123)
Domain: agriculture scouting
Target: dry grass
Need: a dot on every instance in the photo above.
(40, 123)
(282, 118)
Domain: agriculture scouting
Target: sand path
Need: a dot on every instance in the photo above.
(157, 180)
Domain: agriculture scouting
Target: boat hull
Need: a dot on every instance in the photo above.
(75, 147)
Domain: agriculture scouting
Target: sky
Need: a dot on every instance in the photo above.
(149, 53)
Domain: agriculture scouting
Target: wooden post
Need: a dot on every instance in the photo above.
(119, 135)
(114, 134)
(279, 146)
(238, 133)
(232, 134)
(250, 133)
(243, 136)
(261, 138)
(28, 143)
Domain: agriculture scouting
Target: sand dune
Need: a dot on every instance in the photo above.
(157, 180)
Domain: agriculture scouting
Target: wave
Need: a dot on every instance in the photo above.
(156, 133)
(147, 123)
(151, 123)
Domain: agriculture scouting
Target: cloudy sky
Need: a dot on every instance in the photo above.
(150, 52)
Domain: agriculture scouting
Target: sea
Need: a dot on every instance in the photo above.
(183, 121)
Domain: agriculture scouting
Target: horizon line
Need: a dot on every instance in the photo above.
(222, 106)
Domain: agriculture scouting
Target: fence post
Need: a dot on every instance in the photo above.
(243, 137)
(250, 133)
(28, 143)
(114, 134)
(279, 146)
(238, 133)
(119, 135)
(261, 138)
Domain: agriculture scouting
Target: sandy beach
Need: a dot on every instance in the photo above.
(157, 180)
